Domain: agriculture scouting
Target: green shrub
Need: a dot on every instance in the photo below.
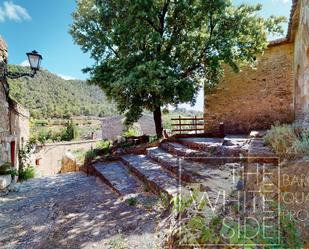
(26, 173)
(288, 141)
(91, 154)
(44, 136)
(70, 132)
(42, 122)
(6, 169)
(131, 131)
(132, 201)
(104, 145)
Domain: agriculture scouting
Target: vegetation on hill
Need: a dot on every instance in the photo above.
(49, 96)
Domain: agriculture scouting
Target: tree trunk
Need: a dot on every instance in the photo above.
(157, 116)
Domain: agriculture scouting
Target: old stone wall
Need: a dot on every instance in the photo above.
(4, 105)
(301, 62)
(50, 156)
(14, 119)
(20, 123)
(4, 108)
(254, 99)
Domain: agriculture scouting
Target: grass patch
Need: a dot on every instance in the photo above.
(289, 141)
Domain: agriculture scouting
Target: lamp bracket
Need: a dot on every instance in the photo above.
(15, 75)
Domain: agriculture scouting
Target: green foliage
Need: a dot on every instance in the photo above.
(198, 227)
(130, 132)
(90, 155)
(150, 54)
(104, 146)
(26, 173)
(70, 132)
(132, 201)
(49, 96)
(6, 169)
(290, 232)
(165, 200)
(40, 122)
(43, 136)
(289, 141)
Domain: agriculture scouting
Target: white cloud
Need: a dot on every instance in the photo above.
(13, 12)
(25, 63)
(283, 1)
(66, 77)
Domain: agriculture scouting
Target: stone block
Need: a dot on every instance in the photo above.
(5, 181)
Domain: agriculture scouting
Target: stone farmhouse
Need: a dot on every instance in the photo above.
(14, 119)
(277, 91)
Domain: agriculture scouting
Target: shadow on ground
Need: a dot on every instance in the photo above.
(71, 211)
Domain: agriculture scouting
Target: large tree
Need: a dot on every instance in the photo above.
(152, 53)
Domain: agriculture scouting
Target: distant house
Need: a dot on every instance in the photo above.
(14, 119)
(112, 127)
(276, 92)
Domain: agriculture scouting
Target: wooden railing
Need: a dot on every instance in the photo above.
(188, 125)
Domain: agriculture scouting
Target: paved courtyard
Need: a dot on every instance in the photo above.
(73, 211)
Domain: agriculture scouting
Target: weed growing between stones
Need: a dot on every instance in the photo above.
(165, 200)
(289, 141)
(232, 226)
(118, 242)
(132, 201)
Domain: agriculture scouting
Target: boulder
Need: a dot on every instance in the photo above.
(68, 163)
(5, 181)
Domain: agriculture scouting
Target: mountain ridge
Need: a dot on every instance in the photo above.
(48, 95)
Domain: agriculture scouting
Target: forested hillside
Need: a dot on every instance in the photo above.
(49, 96)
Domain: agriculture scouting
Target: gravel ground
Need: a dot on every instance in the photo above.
(73, 211)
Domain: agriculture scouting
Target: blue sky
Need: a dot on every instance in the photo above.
(43, 25)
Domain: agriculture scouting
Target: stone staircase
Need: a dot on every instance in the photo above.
(208, 164)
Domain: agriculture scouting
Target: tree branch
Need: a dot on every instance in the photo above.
(162, 17)
(199, 63)
(151, 23)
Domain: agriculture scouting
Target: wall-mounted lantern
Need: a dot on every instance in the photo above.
(34, 59)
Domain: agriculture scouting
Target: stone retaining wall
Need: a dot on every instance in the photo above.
(49, 157)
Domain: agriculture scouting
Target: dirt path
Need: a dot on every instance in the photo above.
(72, 211)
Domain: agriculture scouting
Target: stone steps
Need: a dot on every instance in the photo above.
(117, 176)
(152, 174)
(178, 149)
(209, 145)
(186, 170)
(193, 172)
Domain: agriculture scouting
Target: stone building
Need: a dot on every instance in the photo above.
(276, 92)
(14, 119)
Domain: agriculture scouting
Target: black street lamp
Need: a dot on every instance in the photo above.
(34, 59)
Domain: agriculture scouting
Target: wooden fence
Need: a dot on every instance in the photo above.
(188, 125)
